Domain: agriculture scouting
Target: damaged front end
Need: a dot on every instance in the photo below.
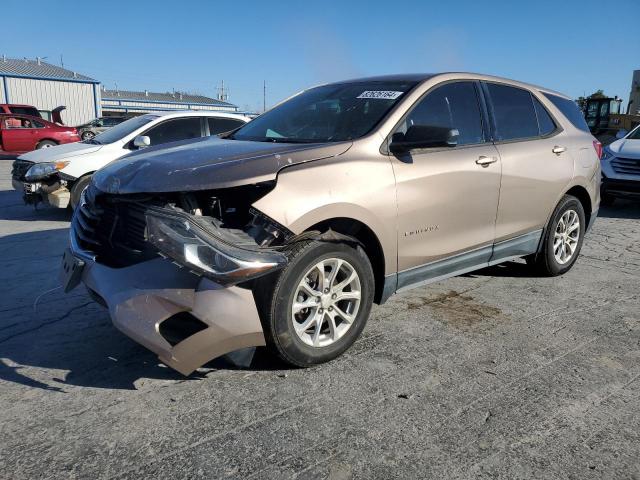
(175, 269)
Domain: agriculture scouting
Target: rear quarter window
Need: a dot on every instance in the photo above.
(569, 109)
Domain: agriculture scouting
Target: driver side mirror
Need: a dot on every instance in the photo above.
(141, 141)
(423, 136)
(621, 134)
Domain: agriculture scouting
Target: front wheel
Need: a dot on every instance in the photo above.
(563, 238)
(317, 306)
(76, 190)
(88, 135)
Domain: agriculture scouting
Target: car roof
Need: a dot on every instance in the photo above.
(16, 105)
(423, 77)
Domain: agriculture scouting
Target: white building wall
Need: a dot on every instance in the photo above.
(49, 94)
(2, 100)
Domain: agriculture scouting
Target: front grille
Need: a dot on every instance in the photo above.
(626, 166)
(113, 228)
(20, 168)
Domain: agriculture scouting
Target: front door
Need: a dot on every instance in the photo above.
(448, 196)
(18, 134)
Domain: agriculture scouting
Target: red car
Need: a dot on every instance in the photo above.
(23, 133)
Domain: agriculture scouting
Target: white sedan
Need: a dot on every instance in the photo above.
(58, 175)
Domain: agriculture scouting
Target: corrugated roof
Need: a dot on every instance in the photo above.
(31, 68)
(167, 97)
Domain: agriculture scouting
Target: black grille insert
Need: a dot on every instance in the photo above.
(626, 166)
(19, 169)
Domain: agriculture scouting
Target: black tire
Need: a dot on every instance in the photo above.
(46, 144)
(545, 262)
(275, 294)
(77, 189)
(88, 135)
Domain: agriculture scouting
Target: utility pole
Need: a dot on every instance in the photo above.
(222, 94)
(264, 96)
(61, 62)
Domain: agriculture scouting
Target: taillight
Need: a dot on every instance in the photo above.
(598, 148)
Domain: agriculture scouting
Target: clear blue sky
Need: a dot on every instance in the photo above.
(572, 46)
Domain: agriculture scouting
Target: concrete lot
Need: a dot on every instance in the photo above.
(490, 375)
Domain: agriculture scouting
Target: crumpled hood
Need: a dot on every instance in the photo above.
(206, 163)
(625, 148)
(60, 152)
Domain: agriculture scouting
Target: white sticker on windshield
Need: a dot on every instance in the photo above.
(381, 94)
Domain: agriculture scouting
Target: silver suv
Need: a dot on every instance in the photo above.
(285, 231)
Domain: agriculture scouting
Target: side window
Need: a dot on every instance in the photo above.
(37, 124)
(454, 105)
(569, 109)
(222, 125)
(546, 125)
(175, 130)
(514, 112)
(12, 122)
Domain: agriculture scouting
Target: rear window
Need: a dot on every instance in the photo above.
(569, 109)
(513, 111)
(25, 111)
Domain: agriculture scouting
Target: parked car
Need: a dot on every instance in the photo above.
(285, 231)
(58, 176)
(20, 109)
(23, 133)
(621, 168)
(99, 125)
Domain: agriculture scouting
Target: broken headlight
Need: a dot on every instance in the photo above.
(182, 238)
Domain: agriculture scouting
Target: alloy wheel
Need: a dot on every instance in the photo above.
(566, 236)
(326, 302)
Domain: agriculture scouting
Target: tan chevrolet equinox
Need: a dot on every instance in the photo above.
(285, 231)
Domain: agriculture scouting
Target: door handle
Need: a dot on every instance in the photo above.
(486, 161)
(558, 150)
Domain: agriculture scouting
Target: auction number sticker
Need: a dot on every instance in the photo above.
(380, 94)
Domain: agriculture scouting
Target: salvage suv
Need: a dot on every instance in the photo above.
(285, 231)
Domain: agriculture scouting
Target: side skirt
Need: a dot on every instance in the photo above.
(506, 250)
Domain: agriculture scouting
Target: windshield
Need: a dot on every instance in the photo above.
(330, 113)
(122, 130)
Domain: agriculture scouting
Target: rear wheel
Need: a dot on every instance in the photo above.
(46, 144)
(563, 238)
(317, 306)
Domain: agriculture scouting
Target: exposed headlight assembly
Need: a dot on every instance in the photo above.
(183, 238)
(43, 170)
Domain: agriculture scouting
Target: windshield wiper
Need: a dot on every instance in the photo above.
(93, 142)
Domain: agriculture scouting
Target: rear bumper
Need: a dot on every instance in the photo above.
(142, 296)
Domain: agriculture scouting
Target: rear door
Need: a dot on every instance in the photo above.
(533, 175)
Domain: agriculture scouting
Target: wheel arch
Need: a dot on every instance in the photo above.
(582, 194)
(367, 238)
